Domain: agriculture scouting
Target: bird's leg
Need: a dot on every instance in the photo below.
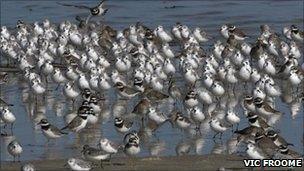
(88, 18)
(170, 78)
(221, 134)
(47, 142)
(8, 62)
(218, 101)
(198, 128)
(73, 103)
(46, 81)
(102, 96)
(57, 87)
(36, 100)
(195, 82)
(174, 103)
(297, 90)
(245, 86)
(215, 135)
(143, 121)
(110, 160)
(101, 164)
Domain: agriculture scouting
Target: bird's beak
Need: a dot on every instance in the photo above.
(65, 165)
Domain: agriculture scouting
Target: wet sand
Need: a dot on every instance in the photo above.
(193, 162)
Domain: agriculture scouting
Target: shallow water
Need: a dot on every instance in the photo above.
(207, 14)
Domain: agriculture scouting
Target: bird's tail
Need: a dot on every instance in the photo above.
(64, 128)
(64, 132)
(237, 131)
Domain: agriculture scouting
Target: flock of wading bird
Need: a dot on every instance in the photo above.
(162, 77)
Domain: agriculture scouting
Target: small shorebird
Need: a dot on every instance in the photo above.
(94, 154)
(157, 116)
(255, 152)
(50, 131)
(15, 149)
(94, 11)
(131, 136)
(7, 116)
(70, 92)
(265, 143)
(201, 35)
(217, 127)
(126, 91)
(28, 167)
(257, 121)
(78, 164)
(277, 139)
(191, 99)
(108, 146)
(78, 123)
(142, 107)
(232, 118)
(247, 133)
(163, 35)
(286, 153)
(183, 122)
(296, 34)
(264, 108)
(238, 33)
(225, 30)
(132, 147)
(122, 125)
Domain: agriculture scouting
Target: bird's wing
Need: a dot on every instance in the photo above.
(263, 123)
(128, 124)
(71, 5)
(88, 18)
(113, 144)
(269, 108)
(101, 3)
(83, 163)
(244, 131)
(130, 90)
(284, 141)
(239, 32)
(266, 152)
(97, 152)
(56, 131)
(75, 122)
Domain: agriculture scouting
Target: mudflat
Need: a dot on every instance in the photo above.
(191, 162)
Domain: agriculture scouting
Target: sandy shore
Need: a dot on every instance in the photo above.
(205, 162)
